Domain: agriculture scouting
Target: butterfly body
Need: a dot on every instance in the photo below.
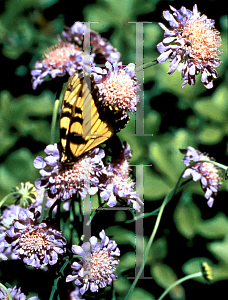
(81, 126)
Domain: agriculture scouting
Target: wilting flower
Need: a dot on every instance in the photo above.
(67, 56)
(192, 45)
(64, 180)
(25, 194)
(116, 182)
(207, 173)
(59, 60)
(36, 243)
(15, 294)
(96, 269)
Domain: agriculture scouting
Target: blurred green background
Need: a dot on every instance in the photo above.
(176, 118)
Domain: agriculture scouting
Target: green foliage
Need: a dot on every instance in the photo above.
(174, 118)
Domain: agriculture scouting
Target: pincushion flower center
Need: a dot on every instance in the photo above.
(118, 87)
(59, 54)
(101, 263)
(32, 242)
(202, 40)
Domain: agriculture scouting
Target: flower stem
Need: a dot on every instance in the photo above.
(179, 282)
(5, 290)
(166, 200)
(147, 65)
(53, 122)
(7, 197)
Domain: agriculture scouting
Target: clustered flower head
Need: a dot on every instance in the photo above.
(37, 244)
(102, 50)
(65, 180)
(117, 85)
(116, 182)
(192, 45)
(6, 220)
(75, 294)
(59, 60)
(207, 173)
(67, 56)
(116, 92)
(15, 294)
(96, 269)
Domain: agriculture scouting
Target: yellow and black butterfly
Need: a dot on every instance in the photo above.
(81, 125)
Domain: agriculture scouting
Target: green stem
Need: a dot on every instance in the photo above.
(147, 248)
(147, 65)
(179, 282)
(54, 288)
(166, 200)
(6, 290)
(53, 123)
(7, 197)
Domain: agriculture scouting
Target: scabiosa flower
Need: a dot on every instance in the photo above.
(9, 215)
(25, 194)
(116, 182)
(117, 88)
(101, 49)
(64, 180)
(75, 294)
(192, 45)
(207, 173)
(15, 293)
(36, 243)
(67, 56)
(59, 60)
(48, 202)
(96, 269)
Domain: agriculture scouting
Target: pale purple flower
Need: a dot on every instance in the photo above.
(15, 293)
(116, 182)
(207, 173)
(96, 269)
(37, 244)
(117, 85)
(67, 56)
(65, 180)
(191, 45)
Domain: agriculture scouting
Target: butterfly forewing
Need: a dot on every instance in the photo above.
(81, 128)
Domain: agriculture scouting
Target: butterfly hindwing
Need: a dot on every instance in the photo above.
(81, 128)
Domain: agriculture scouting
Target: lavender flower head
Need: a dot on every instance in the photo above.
(6, 220)
(65, 180)
(117, 85)
(116, 182)
(59, 60)
(207, 173)
(75, 294)
(102, 50)
(67, 56)
(96, 269)
(15, 293)
(192, 45)
(37, 244)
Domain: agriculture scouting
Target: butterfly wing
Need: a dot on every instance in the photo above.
(81, 128)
